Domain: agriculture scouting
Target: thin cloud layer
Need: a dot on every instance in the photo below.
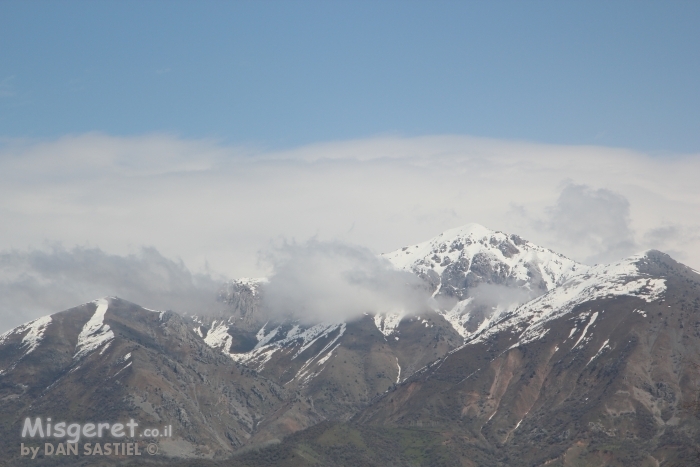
(335, 281)
(209, 203)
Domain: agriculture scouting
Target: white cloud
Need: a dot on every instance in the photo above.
(335, 281)
(210, 203)
(596, 220)
(38, 282)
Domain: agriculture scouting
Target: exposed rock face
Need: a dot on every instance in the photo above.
(242, 297)
(335, 368)
(338, 368)
(474, 272)
(111, 360)
(604, 367)
(567, 365)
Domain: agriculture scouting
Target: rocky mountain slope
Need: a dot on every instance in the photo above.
(524, 358)
(111, 360)
(602, 370)
(337, 368)
(472, 272)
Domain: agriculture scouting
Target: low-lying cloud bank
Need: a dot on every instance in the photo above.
(207, 202)
(335, 281)
(217, 205)
(39, 282)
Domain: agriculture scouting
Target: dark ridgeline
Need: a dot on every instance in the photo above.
(604, 369)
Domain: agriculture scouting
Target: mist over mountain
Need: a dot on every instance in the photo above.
(335, 281)
(36, 282)
(355, 234)
(477, 347)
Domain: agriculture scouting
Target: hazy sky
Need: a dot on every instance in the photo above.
(206, 132)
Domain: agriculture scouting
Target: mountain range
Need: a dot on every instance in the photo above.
(520, 357)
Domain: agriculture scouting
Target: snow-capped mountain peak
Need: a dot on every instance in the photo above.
(473, 271)
(476, 249)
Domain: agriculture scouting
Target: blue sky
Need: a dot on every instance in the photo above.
(285, 74)
(208, 132)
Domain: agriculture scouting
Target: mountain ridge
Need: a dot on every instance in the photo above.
(604, 354)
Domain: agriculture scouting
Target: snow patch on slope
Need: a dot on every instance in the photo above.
(458, 317)
(33, 335)
(306, 368)
(594, 316)
(263, 337)
(95, 333)
(600, 351)
(388, 322)
(256, 358)
(314, 333)
(598, 282)
(296, 338)
(218, 336)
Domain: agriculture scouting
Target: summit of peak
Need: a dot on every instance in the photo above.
(471, 229)
(468, 241)
(474, 232)
(458, 263)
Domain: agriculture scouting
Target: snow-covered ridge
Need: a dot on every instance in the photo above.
(510, 257)
(95, 333)
(33, 333)
(458, 260)
(295, 338)
(598, 282)
(473, 247)
(464, 243)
